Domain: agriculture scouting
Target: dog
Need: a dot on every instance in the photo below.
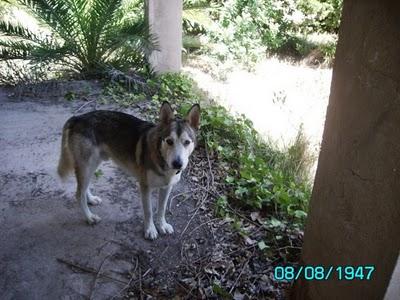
(155, 154)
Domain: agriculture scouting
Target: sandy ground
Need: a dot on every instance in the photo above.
(42, 225)
(278, 97)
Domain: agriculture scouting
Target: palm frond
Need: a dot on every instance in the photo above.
(102, 13)
(135, 35)
(85, 35)
(56, 14)
(18, 31)
(13, 49)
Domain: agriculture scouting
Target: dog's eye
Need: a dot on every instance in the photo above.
(169, 142)
(187, 142)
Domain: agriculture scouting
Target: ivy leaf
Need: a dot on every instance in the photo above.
(261, 245)
(300, 214)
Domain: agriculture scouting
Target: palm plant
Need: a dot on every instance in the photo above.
(85, 36)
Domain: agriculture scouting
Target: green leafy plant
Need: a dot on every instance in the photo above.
(321, 15)
(173, 87)
(196, 21)
(70, 96)
(251, 29)
(116, 93)
(195, 16)
(98, 173)
(248, 30)
(260, 175)
(83, 36)
(328, 50)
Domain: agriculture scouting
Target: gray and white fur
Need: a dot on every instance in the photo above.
(156, 154)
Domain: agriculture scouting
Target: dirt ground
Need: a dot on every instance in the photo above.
(47, 250)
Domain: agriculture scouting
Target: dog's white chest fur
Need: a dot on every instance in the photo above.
(156, 181)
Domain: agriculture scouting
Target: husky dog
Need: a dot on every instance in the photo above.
(156, 154)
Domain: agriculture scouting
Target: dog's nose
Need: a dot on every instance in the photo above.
(177, 164)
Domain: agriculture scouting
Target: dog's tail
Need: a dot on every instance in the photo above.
(66, 163)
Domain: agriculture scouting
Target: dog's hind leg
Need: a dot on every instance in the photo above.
(150, 231)
(91, 199)
(163, 226)
(83, 173)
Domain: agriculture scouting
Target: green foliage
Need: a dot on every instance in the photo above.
(70, 96)
(259, 175)
(13, 72)
(247, 30)
(221, 206)
(116, 93)
(252, 28)
(328, 50)
(84, 36)
(220, 291)
(173, 87)
(195, 16)
(98, 173)
(321, 15)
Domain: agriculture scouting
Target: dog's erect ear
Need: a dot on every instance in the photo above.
(166, 113)
(193, 116)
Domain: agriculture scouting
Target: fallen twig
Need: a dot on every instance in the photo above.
(202, 224)
(97, 275)
(209, 165)
(178, 195)
(190, 220)
(237, 279)
(130, 280)
(83, 105)
(140, 283)
(288, 247)
(89, 270)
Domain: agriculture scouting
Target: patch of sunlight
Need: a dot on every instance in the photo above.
(15, 14)
(278, 97)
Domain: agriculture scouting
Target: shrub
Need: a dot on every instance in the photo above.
(252, 28)
(84, 36)
(259, 175)
(248, 30)
(321, 15)
(173, 87)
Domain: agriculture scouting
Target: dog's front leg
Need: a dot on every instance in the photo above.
(150, 231)
(163, 226)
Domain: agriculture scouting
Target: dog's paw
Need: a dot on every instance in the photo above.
(94, 200)
(166, 228)
(93, 219)
(150, 232)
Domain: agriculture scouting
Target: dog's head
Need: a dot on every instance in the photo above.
(178, 136)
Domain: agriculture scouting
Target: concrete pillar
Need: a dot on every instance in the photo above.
(165, 21)
(354, 216)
